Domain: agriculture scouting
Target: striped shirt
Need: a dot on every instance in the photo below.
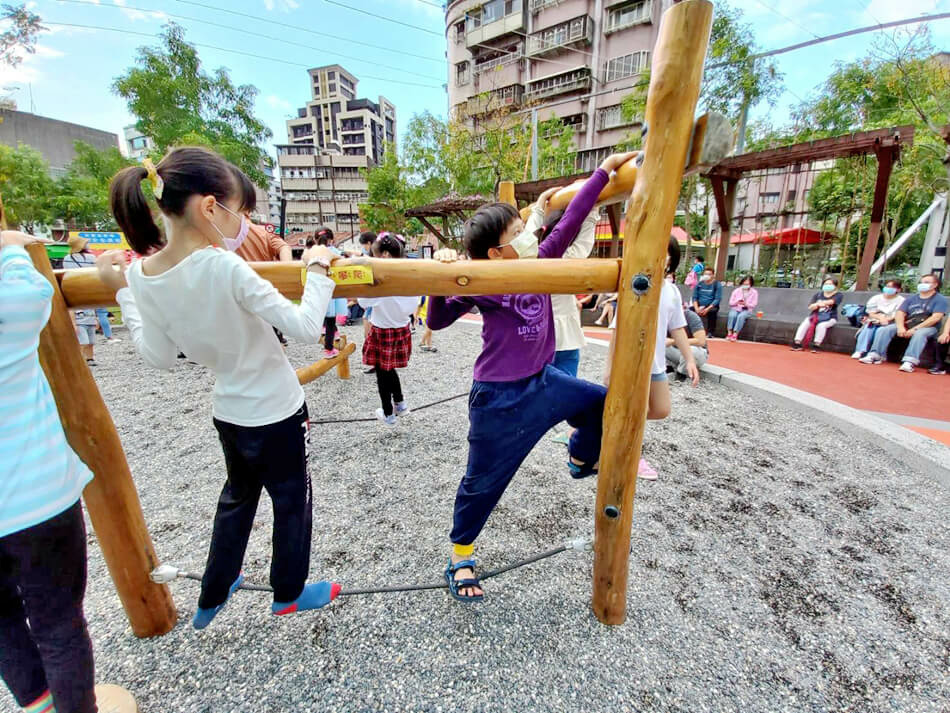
(40, 475)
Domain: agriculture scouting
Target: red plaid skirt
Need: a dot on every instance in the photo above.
(388, 348)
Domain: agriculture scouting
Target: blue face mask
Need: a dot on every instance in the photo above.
(890, 290)
(828, 288)
(924, 287)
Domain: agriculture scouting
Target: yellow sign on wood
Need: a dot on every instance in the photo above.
(349, 275)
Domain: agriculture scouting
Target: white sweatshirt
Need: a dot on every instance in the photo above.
(219, 312)
(390, 312)
(568, 333)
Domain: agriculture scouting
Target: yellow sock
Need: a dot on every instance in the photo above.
(463, 550)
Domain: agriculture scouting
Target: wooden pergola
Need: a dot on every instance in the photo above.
(885, 144)
(450, 206)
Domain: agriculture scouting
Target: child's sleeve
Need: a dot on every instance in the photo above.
(584, 243)
(24, 292)
(444, 311)
(258, 296)
(566, 230)
(150, 341)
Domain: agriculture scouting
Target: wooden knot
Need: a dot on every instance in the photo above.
(461, 280)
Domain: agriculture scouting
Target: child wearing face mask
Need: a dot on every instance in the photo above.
(207, 300)
(517, 395)
(389, 344)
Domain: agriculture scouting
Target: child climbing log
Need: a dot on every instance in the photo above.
(671, 101)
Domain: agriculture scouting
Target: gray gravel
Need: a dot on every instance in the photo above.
(776, 566)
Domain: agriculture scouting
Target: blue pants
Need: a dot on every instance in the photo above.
(884, 335)
(866, 337)
(567, 361)
(737, 319)
(507, 419)
(103, 315)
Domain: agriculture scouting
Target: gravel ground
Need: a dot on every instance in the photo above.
(776, 566)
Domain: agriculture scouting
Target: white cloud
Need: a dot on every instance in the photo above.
(275, 102)
(888, 10)
(27, 72)
(282, 5)
(135, 15)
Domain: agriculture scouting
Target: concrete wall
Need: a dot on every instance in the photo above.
(51, 137)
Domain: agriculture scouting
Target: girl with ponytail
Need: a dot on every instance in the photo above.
(193, 293)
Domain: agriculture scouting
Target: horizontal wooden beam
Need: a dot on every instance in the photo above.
(306, 374)
(84, 290)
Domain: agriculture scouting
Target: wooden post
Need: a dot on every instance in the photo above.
(111, 499)
(725, 205)
(506, 193)
(885, 163)
(674, 90)
(343, 366)
(306, 374)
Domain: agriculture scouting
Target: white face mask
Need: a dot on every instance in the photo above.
(707, 278)
(747, 287)
(525, 244)
(234, 243)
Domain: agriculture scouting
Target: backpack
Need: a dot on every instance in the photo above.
(855, 313)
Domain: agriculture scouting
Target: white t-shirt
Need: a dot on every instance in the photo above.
(887, 307)
(219, 312)
(671, 317)
(390, 312)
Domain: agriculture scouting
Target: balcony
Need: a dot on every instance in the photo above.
(578, 31)
(493, 19)
(502, 60)
(563, 83)
(539, 5)
(510, 96)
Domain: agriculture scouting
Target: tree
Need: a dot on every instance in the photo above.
(177, 102)
(26, 187)
(82, 195)
(389, 196)
(20, 36)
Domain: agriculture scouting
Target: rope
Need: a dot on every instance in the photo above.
(167, 573)
(367, 420)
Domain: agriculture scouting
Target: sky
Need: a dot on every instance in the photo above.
(71, 74)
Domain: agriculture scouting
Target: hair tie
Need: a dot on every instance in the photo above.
(158, 185)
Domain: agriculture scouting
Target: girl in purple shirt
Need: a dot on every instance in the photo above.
(517, 395)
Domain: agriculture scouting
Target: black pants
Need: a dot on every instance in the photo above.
(329, 324)
(710, 320)
(273, 458)
(390, 390)
(44, 643)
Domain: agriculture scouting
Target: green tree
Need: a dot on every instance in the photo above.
(389, 196)
(82, 194)
(26, 187)
(176, 102)
(20, 36)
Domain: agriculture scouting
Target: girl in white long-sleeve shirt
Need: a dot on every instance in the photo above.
(195, 296)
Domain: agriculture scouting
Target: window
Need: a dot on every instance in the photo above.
(630, 14)
(462, 74)
(331, 75)
(790, 197)
(626, 65)
(140, 142)
(460, 31)
(332, 88)
(611, 117)
(769, 198)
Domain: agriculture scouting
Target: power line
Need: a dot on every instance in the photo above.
(232, 51)
(268, 20)
(383, 17)
(785, 17)
(254, 34)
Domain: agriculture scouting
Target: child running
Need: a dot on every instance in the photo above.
(194, 294)
(517, 395)
(389, 343)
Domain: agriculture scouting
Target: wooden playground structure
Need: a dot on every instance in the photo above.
(111, 498)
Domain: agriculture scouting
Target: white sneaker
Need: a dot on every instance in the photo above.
(402, 409)
(907, 367)
(857, 355)
(871, 358)
(113, 340)
(389, 420)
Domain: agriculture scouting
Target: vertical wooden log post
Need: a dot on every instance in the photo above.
(111, 499)
(885, 163)
(506, 193)
(725, 206)
(674, 90)
(343, 368)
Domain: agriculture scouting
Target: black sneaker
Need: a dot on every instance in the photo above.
(815, 348)
(796, 347)
(937, 370)
(371, 370)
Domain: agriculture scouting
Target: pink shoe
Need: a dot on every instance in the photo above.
(330, 353)
(646, 471)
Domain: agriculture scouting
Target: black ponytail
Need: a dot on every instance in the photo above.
(388, 243)
(185, 172)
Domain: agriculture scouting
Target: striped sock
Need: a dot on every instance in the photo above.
(43, 704)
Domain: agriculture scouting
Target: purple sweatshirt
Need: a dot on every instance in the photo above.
(518, 330)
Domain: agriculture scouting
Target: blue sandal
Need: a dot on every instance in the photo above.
(456, 584)
(581, 471)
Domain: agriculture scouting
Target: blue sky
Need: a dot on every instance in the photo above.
(72, 71)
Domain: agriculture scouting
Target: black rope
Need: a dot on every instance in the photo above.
(408, 587)
(367, 420)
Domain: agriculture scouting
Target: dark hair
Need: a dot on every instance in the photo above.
(311, 241)
(484, 229)
(323, 235)
(673, 250)
(831, 280)
(248, 191)
(367, 238)
(551, 219)
(186, 171)
(749, 278)
(710, 269)
(698, 258)
(935, 276)
(896, 283)
(387, 243)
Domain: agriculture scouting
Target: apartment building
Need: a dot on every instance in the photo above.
(334, 136)
(573, 59)
(137, 144)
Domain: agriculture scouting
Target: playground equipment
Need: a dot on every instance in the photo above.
(341, 361)
(111, 498)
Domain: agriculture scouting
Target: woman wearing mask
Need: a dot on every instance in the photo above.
(742, 303)
(823, 316)
(881, 310)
